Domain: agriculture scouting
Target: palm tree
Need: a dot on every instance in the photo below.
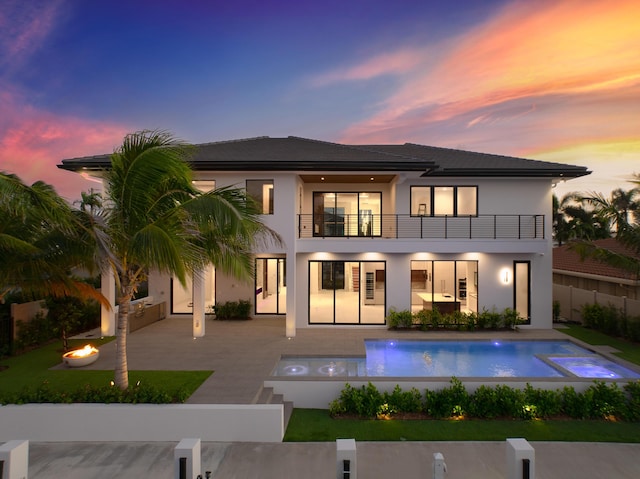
(571, 220)
(40, 242)
(622, 209)
(154, 219)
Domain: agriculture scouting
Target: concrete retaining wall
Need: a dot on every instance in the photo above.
(142, 422)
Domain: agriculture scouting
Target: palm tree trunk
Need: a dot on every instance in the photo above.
(121, 378)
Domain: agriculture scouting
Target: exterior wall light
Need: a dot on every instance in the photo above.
(505, 276)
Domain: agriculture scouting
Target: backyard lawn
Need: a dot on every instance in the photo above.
(31, 370)
(317, 425)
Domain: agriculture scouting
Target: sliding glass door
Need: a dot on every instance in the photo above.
(347, 292)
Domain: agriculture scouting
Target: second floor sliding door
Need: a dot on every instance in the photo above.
(338, 214)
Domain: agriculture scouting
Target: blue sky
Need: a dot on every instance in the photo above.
(556, 80)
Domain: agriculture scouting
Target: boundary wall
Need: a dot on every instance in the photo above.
(142, 422)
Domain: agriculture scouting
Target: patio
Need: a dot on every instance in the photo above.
(243, 353)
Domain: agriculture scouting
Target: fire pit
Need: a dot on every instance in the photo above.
(81, 357)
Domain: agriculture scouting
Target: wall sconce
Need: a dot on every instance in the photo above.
(505, 276)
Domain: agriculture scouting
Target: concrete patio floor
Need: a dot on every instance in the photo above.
(242, 354)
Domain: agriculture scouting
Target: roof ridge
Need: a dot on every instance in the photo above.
(237, 140)
(362, 148)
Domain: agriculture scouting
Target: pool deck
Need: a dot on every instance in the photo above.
(243, 354)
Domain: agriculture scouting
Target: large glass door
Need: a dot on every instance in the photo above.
(347, 292)
(182, 296)
(347, 214)
(271, 286)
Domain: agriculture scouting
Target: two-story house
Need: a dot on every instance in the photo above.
(367, 228)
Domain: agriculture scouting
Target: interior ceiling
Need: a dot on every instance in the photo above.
(347, 178)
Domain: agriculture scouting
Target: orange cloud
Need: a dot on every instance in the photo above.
(527, 52)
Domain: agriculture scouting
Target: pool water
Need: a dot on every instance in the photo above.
(414, 358)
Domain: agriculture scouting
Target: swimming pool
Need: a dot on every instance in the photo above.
(471, 358)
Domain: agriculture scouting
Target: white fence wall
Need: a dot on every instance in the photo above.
(142, 422)
(572, 299)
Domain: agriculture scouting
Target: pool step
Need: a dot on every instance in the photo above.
(267, 396)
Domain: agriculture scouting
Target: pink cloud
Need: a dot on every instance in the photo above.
(33, 142)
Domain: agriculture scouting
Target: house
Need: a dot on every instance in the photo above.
(578, 281)
(368, 228)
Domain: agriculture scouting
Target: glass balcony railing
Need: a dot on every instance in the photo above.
(483, 227)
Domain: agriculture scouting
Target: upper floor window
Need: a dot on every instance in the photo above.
(262, 192)
(347, 213)
(444, 200)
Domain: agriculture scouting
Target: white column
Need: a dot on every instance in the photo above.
(108, 316)
(198, 304)
(293, 290)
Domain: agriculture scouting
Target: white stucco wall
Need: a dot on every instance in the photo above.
(142, 422)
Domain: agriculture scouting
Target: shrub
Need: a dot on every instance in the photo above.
(404, 401)
(484, 403)
(511, 318)
(600, 401)
(592, 316)
(605, 401)
(39, 330)
(450, 401)
(233, 310)
(423, 317)
(633, 401)
(139, 394)
(556, 311)
(399, 319)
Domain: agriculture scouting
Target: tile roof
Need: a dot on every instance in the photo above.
(302, 154)
(566, 259)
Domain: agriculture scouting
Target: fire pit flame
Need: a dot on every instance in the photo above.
(81, 357)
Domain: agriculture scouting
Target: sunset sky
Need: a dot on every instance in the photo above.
(555, 80)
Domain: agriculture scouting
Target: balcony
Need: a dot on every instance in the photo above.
(482, 227)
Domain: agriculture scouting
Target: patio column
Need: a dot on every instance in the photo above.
(292, 293)
(198, 304)
(108, 317)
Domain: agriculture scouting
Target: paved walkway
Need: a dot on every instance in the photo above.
(242, 354)
(375, 460)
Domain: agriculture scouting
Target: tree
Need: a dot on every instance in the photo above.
(40, 242)
(152, 218)
(623, 210)
(620, 209)
(572, 220)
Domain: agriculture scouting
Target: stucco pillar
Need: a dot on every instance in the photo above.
(108, 316)
(293, 290)
(198, 304)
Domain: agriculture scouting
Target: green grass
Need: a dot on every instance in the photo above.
(316, 425)
(32, 369)
(628, 350)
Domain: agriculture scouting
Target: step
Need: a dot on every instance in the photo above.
(265, 396)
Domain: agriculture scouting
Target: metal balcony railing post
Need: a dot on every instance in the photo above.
(519, 227)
